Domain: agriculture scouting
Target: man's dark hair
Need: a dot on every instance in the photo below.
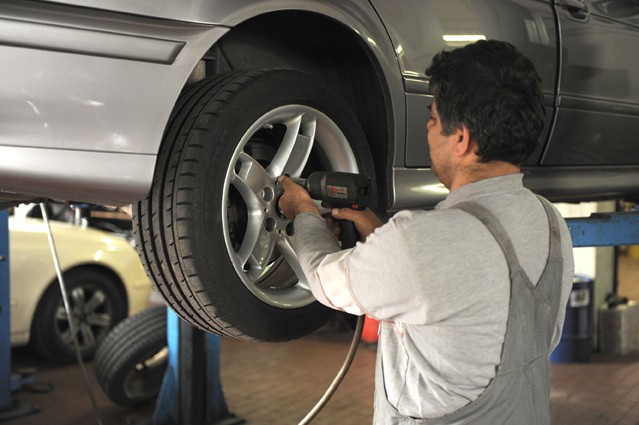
(495, 91)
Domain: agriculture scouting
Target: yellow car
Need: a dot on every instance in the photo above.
(104, 279)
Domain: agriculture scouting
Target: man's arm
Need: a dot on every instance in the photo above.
(317, 247)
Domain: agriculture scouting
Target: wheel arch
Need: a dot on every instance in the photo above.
(330, 50)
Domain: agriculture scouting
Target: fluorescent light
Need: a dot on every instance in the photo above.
(463, 38)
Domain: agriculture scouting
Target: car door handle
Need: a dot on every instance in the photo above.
(577, 9)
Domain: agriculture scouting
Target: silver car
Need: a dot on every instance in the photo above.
(190, 109)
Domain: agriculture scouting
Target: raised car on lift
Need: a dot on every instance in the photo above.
(190, 109)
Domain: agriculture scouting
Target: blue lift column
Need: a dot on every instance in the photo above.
(191, 392)
(9, 408)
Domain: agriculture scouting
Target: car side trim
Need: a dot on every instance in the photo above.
(66, 39)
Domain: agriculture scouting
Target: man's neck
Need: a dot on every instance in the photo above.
(480, 171)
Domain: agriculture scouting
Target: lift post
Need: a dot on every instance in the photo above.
(191, 392)
(9, 409)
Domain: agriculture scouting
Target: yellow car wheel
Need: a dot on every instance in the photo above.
(96, 304)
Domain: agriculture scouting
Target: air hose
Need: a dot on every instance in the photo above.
(349, 237)
(340, 375)
(67, 308)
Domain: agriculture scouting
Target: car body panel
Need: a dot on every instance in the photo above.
(598, 107)
(32, 270)
(56, 96)
(66, 134)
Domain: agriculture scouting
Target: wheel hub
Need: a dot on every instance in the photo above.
(293, 140)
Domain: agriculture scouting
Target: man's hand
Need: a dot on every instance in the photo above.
(295, 199)
(365, 221)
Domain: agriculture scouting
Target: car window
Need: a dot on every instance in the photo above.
(419, 29)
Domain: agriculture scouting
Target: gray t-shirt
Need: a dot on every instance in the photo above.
(439, 283)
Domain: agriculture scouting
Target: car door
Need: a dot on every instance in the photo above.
(421, 28)
(598, 104)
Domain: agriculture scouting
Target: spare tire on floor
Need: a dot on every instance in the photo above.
(130, 363)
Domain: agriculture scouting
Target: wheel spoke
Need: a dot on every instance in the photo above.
(102, 320)
(67, 337)
(286, 249)
(95, 302)
(254, 184)
(77, 295)
(85, 331)
(61, 314)
(251, 180)
(296, 146)
(257, 247)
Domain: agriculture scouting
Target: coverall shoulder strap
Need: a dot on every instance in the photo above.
(554, 250)
(496, 229)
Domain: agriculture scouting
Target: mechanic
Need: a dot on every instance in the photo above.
(471, 295)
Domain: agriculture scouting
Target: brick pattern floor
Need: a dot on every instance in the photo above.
(284, 381)
(273, 384)
(604, 391)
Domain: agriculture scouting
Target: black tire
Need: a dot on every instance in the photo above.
(197, 231)
(131, 361)
(97, 305)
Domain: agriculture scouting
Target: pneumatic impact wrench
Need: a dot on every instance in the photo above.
(340, 190)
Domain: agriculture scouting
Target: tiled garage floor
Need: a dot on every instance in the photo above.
(272, 384)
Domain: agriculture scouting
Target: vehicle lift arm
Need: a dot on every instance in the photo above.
(605, 229)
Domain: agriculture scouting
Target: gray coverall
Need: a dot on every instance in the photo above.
(519, 393)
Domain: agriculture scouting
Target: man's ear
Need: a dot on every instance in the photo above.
(463, 144)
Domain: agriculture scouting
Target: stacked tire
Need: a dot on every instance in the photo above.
(131, 361)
